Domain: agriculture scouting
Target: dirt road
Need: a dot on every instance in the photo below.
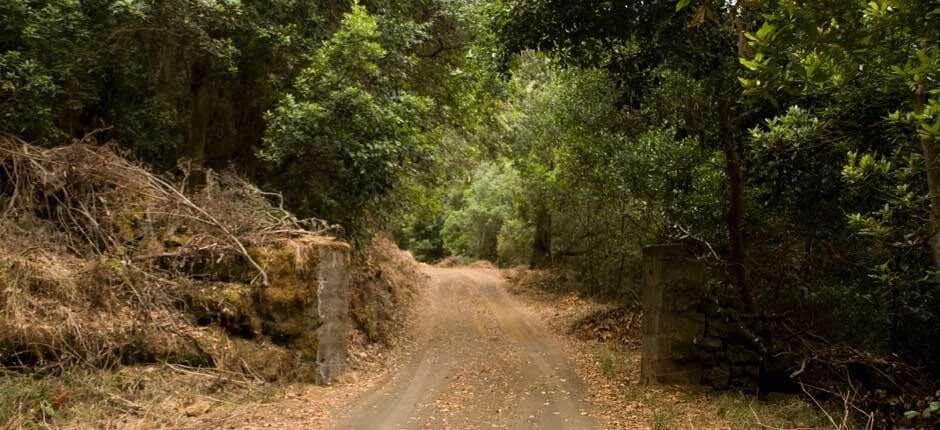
(481, 361)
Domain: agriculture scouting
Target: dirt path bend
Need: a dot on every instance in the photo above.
(481, 361)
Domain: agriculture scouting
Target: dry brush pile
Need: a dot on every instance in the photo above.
(105, 263)
(386, 281)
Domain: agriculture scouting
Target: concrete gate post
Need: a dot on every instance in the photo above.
(333, 310)
(673, 284)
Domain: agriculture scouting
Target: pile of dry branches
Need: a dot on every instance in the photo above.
(98, 254)
(873, 390)
(103, 201)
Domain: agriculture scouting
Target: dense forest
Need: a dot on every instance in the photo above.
(791, 146)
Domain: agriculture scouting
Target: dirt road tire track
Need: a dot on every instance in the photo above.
(480, 361)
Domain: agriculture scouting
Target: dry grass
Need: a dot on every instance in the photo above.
(385, 282)
(133, 397)
(610, 364)
(105, 267)
(99, 258)
(616, 369)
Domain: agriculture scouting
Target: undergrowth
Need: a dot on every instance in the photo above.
(125, 398)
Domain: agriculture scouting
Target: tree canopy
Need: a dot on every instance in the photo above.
(790, 145)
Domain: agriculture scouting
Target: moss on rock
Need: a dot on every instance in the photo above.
(288, 304)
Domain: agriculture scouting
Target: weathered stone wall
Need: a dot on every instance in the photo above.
(303, 308)
(690, 333)
(728, 351)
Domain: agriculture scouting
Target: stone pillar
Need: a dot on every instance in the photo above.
(333, 310)
(673, 285)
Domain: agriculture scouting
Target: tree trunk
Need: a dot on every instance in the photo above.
(252, 100)
(335, 11)
(735, 209)
(69, 117)
(623, 252)
(195, 150)
(542, 245)
(733, 220)
(933, 176)
(489, 241)
(199, 114)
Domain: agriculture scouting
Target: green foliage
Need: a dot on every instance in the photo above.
(424, 239)
(38, 67)
(930, 412)
(332, 102)
(510, 130)
(27, 95)
(480, 210)
(858, 67)
(796, 166)
(350, 128)
(610, 179)
(70, 67)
